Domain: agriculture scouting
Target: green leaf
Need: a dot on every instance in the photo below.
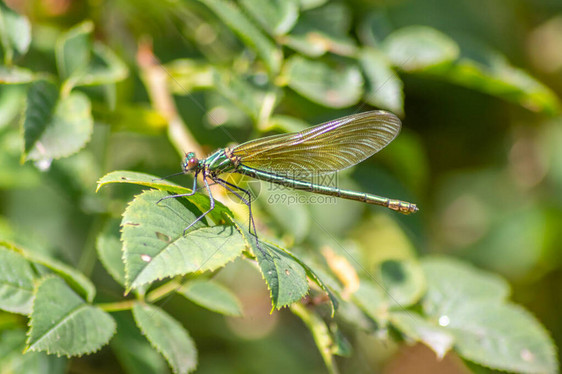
(403, 281)
(285, 123)
(319, 280)
(384, 87)
(104, 68)
(11, 102)
(503, 337)
(451, 283)
(15, 33)
(73, 50)
(187, 75)
(41, 102)
(470, 304)
(62, 132)
(132, 118)
(416, 48)
(375, 27)
(372, 300)
(16, 282)
(311, 4)
(275, 16)
(168, 336)
(285, 277)
(311, 273)
(321, 30)
(213, 296)
(109, 246)
(292, 218)
(62, 323)
(492, 73)
(238, 91)
(133, 351)
(326, 83)
(237, 21)
(16, 75)
(72, 276)
(200, 200)
(416, 328)
(327, 345)
(155, 247)
(12, 343)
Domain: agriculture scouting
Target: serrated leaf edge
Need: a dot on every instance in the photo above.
(85, 304)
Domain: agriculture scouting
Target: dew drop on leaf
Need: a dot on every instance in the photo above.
(527, 355)
(444, 321)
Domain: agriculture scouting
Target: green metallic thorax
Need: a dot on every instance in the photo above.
(217, 163)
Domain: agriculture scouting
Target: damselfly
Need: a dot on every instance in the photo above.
(322, 149)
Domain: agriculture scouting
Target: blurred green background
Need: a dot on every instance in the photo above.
(480, 150)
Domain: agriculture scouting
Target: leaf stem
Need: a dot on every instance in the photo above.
(118, 306)
(163, 290)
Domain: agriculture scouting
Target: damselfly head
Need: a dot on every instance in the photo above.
(190, 162)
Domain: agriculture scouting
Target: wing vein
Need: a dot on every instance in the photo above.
(325, 148)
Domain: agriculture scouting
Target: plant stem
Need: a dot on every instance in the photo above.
(163, 290)
(118, 306)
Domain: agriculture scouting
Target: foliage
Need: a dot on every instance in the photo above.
(83, 99)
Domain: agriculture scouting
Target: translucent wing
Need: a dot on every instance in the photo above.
(325, 148)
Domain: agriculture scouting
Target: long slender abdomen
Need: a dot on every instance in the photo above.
(397, 205)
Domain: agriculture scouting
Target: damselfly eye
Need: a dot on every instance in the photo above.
(190, 162)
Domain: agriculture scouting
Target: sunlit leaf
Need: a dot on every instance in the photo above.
(155, 247)
(16, 75)
(311, 4)
(16, 282)
(286, 123)
(213, 296)
(418, 329)
(109, 246)
(187, 75)
(11, 103)
(375, 27)
(132, 117)
(384, 88)
(294, 218)
(73, 277)
(326, 343)
(15, 33)
(201, 201)
(320, 279)
(471, 305)
(503, 337)
(372, 300)
(321, 30)
(276, 16)
(63, 324)
(330, 84)
(104, 67)
(451, 283)
(12, 343)
(73, 50)
(233, 17)
(403, 282)
(416, 48)
(168, 336)
(285, 277)
(492, 73)
(41, 102)
(240, 92)
(57, 132)
(133, 351)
